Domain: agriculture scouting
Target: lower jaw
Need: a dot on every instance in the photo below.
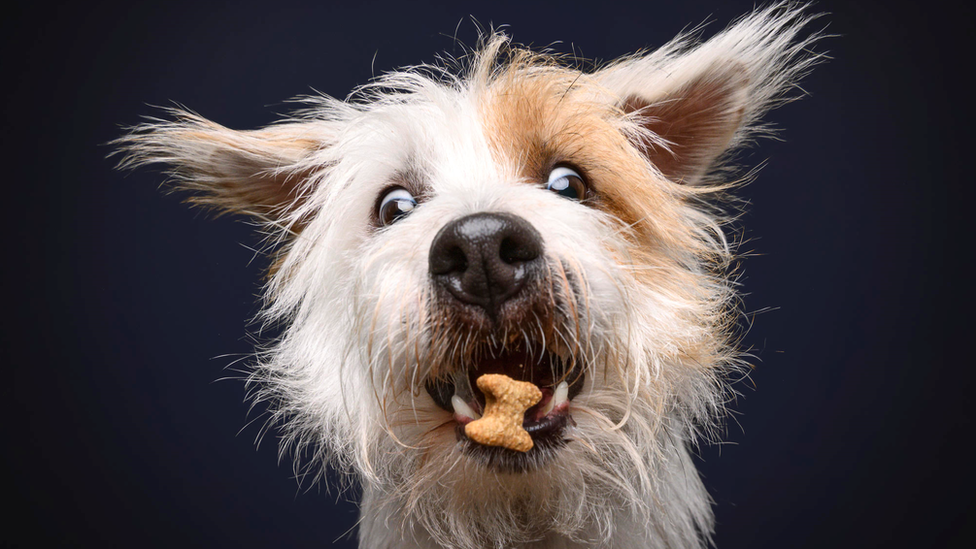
(505, 461)
(547, 439)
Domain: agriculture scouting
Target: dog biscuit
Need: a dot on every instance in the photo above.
(506, 401)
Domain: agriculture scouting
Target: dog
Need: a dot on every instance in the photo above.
(510, 214)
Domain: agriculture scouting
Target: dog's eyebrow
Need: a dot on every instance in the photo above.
(413, 178)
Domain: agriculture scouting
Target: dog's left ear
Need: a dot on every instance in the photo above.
(697, 102)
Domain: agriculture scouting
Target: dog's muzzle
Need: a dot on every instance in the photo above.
(487, 270)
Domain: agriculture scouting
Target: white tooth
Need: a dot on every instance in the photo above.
(461, 408)
(548, 407)
(561, 395)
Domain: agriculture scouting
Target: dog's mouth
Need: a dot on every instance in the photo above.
(559, 379)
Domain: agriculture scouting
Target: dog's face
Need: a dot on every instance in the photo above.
(517, 227)
(522, 218)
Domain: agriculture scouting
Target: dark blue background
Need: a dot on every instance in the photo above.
(124, 306)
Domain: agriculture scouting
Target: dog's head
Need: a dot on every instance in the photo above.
(517, 216)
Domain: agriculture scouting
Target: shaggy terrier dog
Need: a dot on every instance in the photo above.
(506, 217)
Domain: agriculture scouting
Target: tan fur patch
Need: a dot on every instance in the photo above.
(537, 117)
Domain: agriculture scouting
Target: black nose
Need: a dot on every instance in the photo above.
(484, 259)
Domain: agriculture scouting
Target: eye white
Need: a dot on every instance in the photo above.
(559, 178)
(403, 196)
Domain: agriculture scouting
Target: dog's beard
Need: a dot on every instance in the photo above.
(606, 470)
(616, 458)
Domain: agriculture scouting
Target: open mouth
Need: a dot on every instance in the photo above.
(559, 380)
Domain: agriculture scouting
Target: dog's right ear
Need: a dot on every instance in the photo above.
(261, 173)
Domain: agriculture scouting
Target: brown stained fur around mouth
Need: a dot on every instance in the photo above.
(462, 334)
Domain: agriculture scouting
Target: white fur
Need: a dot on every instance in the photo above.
(345, 380)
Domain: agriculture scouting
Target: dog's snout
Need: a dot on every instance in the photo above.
(484, 259)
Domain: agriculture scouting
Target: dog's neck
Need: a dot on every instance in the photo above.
(380, 529)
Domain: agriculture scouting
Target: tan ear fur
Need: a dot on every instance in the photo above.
(259, 173)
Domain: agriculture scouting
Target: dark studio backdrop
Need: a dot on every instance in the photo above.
(124, 307)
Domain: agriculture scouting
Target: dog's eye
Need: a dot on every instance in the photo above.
(396, 204)
(566, 182)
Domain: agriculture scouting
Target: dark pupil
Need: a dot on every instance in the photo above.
(394, 210)
(566, 186)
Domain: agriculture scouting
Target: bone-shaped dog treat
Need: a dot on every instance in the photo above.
(506, 401)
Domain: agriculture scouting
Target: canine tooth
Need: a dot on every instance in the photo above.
(461, 408)
(548, 407)
(561, 395)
